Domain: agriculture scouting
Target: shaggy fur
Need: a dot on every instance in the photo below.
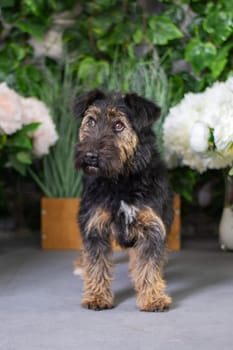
(125, 196)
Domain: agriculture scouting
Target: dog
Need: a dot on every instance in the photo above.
(126, 196)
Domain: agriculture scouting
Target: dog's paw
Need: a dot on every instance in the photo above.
(160, 304)
(97, 303)
(78, 265)
(129, 212)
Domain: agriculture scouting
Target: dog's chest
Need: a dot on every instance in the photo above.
(110, 194)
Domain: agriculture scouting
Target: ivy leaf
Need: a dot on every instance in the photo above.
(93, 72)
(219, 62)
(162, 30)
(219, 24)
(32, 28)
(200, 54)
(101, 25)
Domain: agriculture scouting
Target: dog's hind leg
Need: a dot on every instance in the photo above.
(97, 263)
(147, 264)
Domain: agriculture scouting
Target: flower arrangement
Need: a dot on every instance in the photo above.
(198, 132)
(26, 129)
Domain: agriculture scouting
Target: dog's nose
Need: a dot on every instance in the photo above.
(91, 158)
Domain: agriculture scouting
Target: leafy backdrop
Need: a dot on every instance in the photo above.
(117, 44)
(193, 39)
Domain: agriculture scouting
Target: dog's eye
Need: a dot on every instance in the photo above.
(118, 126)
(91, 122)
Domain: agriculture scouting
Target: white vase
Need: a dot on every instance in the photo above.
(226, 223)
(226, 229)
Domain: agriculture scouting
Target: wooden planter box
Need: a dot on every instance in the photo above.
(59, 228)
(174, 236)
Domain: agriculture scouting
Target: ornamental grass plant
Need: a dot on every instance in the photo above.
(56, 176)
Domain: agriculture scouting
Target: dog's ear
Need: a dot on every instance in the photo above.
(84, 101)
(144, 112)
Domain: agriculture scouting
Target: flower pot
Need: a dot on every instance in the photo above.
(59, 223)
(60, 230)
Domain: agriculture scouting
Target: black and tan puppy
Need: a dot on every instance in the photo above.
(125, 196)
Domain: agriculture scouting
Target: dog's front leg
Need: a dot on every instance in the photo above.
(146, 265)
(97, 262)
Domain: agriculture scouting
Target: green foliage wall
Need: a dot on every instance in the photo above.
(194, 40)
(117, 44)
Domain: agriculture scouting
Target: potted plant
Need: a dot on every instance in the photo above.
(56, 175)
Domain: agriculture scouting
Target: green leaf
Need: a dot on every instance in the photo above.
(36, 8)
(20, 140)
(162, 30)
(23, 158)
(30, 127)
(219, 62)
(101, 25)
(86, 67)
(92, 71)
(36, 30)
(31, 6)
(137, 36)
(219, 24)
(200, 54)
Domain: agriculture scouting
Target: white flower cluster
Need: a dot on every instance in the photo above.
(198, 132)
(16, 111)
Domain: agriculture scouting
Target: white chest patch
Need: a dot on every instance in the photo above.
(129, 211)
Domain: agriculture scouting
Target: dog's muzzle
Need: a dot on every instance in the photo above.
(91, 162)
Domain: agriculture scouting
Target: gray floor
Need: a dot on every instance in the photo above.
(39, 304)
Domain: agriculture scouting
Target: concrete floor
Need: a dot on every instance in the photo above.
(39, 304)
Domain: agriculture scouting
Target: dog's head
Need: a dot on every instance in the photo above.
(115, 135)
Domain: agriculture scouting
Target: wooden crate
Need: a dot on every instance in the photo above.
(174, 236)
(59, 228)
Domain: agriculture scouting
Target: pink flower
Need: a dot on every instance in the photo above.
(10, 110)
(45, 135)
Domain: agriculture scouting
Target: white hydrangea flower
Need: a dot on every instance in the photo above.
(186, 140)
(45, 135)
(199, 137)
(10, 110)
